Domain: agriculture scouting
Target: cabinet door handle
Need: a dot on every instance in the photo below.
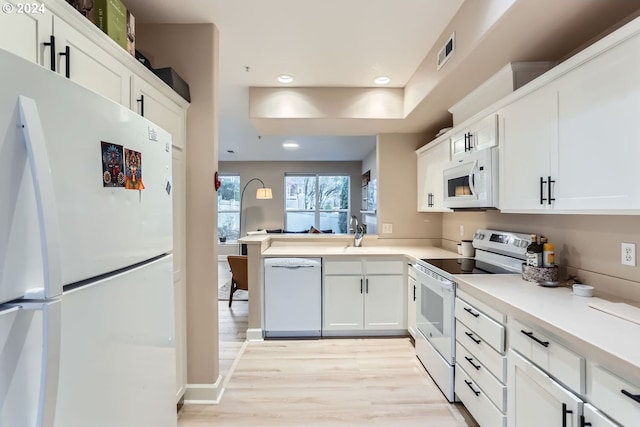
(470, 136)
(551, 199)
(542, 183)
(530, 335)
(141, 102)
(67, 61)
(634, 397)
(414, 292)
(468, 383)
(470, 360)
(468, 310)
(52, 51)
(565, 411)
(583, 422)
(361, 285)
(366, 285)
(470, 335)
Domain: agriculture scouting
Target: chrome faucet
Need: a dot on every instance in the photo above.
(358, 231)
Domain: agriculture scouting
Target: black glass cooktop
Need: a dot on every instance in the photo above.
(465, 266)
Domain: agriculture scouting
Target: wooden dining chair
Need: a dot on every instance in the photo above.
(239, 275)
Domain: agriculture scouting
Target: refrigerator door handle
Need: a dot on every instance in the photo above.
(45, 200)
(50, 363)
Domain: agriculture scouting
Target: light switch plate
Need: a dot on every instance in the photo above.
(629, 254)
(387, 228)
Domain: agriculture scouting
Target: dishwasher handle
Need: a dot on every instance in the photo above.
(292, 267)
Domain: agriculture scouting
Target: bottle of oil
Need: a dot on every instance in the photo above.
(548, 255)
(534, 252)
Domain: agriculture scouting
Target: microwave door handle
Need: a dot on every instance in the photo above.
(471, 173)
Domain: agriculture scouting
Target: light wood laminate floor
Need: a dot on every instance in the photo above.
(328, 382)
(232, 323)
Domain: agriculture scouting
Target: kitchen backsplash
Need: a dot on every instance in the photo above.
(585, 245)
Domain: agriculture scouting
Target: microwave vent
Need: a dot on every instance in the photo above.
(446, 51)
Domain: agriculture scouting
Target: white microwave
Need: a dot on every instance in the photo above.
(472, 182)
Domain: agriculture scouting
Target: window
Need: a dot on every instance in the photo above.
(229, 208)
(317, 200)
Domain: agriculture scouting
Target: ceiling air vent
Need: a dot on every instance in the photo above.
(447, 51)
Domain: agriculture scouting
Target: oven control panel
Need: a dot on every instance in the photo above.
(502, 242)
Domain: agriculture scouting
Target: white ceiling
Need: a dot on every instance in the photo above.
(347, 43)
(329, 43)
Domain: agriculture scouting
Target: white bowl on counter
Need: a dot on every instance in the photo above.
(582, 290)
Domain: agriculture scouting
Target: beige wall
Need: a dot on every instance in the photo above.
(397, 189)
(269, 214)
(192, 50)
(589, 244)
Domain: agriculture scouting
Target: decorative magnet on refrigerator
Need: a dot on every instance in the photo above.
(112, 165)
(133, 170)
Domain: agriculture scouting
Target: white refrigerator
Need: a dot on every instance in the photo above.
(86, 289)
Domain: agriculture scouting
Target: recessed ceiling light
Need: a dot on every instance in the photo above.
(285, 78)
(290, 145)
(382, 80)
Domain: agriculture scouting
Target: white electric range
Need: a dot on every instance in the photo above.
(496, 252)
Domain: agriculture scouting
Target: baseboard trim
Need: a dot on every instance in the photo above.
(254, 334)
(204, 394)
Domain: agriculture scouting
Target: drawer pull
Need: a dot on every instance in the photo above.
(530, 335)
(470, 335)
(468, 310)
(583, 422)
(470, 360)
(477, 393)
(565, 411)
(635, 397)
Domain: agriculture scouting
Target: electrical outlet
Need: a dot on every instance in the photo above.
(629, 254)
(387, 228)
(461, 230)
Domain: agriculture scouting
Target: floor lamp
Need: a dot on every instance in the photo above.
(261, 194)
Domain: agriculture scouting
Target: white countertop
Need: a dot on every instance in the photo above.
(597, 335)
(607, 338)
(310, 250)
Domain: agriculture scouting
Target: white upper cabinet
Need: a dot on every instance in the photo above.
(25, 33)
(572, 145)
(82, 61)
(529, 131)
(478, 136)
(431, 161)
(599, 133)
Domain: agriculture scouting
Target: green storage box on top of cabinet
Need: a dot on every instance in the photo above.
(111, 17)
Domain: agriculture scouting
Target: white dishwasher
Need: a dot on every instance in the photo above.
(292, 297)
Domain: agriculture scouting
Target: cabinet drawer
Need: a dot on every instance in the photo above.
(596, 418)
(477, 402)
(384, 267)
(608, 394)
(488, 329)
(548, 354)
(494, 361)
(482, 306)
(343, 267)
(493, 388)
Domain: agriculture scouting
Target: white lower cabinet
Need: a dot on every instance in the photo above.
(535, 399)
(481, 368)
(615, 396)
(476, 401)
(364, 296)
(411, 301)
(594, 418)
